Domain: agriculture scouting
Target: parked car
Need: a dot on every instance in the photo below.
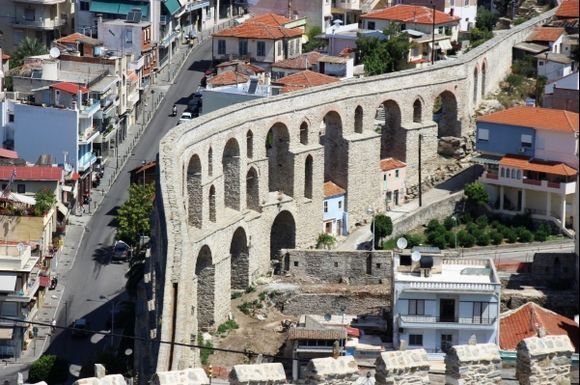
(121, 251)
(80, 328)
(194, 104)
(185, 117)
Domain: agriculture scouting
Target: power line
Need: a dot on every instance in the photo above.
(143, 339)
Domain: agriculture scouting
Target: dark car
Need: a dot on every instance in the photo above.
(121, 251)
(80, 328)
(194, 104)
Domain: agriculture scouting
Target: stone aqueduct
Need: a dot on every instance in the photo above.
(240, 183)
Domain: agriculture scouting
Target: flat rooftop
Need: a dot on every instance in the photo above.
(450, 271)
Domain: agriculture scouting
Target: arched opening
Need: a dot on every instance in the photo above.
(335, 151)
(231, 170)
(483, 69)
(304, 133)
(194, 191)
(445, 115)
(250, 144)
(358, 120)
(240, 260)
(475, 76)
(212, 204)
(252, 190)
(417, 111)
(393, 137)
(280, 160)
(282, 234)
(205, 272)
(210, 162)
(308, 177)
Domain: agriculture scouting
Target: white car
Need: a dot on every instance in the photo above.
(185, 117)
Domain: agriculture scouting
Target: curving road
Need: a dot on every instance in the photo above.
(94, 283)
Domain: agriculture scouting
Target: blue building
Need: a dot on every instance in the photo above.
(335, 216)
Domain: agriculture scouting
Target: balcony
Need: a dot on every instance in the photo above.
(86, 161)
(562, 188)
(40, 2)
(449, 287)
(346, 4)
(425, 321)
(46, 24)
(26, 293)
(88, 111)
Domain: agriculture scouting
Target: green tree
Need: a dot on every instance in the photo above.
(485, 19)
(49, 368)
(133, 216)
(313, 43)
(476, 196)
(483, 238)
(27, 47)
(539, 95)
(496, 237)
(325, 241)
(45, 199)
(384, 55)
(382, 226)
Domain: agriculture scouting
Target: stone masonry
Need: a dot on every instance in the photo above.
(258, 374)
(409, 367)
(204, 200)
(181, 377)
(544, 361)
(473, 365)
(332, 371)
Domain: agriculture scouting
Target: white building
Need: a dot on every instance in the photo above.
(439, 302)
(553, 65)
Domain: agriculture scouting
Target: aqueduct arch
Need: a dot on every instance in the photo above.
(445, 115)
(239, 260)
(335, 150)
(194, 191)
(231, 171)
(252, 190)
(205, 273)
(282, 233)
(393, 136)
(280, 160)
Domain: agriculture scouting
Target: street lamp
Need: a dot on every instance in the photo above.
(372, 212)
(113, 312)
(455, 232)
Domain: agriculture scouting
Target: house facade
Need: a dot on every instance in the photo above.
(335, 216)
(563, 93)
(553, 66)
(464, 9)
(439, 302)
(393, 181)
(531, 162)
(550, 36)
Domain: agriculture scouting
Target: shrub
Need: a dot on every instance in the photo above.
(49, 368)
(325, 241)
(449, 223)
(472, 229)
(526, 236)
(476, 193)
(495, 224)
(483, 238)
(440, 241)
(450, 239)
(205, 351)
(496, 237)
(467, 218)
(541, 236)
(227, 326)
(510, 235)
(433, 225)
(523, 220)
(413, 240)
(250, 289)
(482, 221)
(236, 294)
(464, 239)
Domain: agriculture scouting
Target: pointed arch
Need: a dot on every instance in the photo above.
(210, 161)
(280, 160)
(475, 80)
(212, 209)
(358, 120)
(231, 171)
(335, 150)
(417, 111)
(239, 260)
(308, 177)
(445, 115)
(194, 191)
(205, 273)
(483, 75)
(252, 190)
(282, 233)
(393, 136)
(250, 144)
(304, 133)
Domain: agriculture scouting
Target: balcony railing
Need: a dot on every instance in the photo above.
(453, 286)
(535, 182)
(40, 24)
(435, 319)
(554, 185)
(492, 175)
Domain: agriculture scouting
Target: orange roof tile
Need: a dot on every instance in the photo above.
(537, 165)
(549, 34)
(254, 30)
(568, 9)
(525, 321)
(299, 63)
(411, 14)
(304, 79)
(5, 56)
(242, 67)
(227, 78)
(535, 117)
(331, 189)
(388, 164)
(71, 88)
(132, 75)
(271, 19)
(74, 37)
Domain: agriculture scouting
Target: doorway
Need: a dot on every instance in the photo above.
(447, 310)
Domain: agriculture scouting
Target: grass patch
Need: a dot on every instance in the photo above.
(224, 328)
(248, 308)
(205, 351)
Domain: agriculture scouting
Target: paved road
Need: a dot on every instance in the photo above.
(94, 283)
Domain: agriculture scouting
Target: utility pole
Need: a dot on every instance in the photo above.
(432, 50)
(420, 186)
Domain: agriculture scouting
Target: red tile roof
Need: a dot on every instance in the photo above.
(535, 117)
(299, 63)
(254, 30)
(71, 88)
(4, 153)
(227, 78)
(388, 164)
(304, 79)
(5, 56)
(331, 189)
(568, 9)
(524, 322)
(549, 34)
(74, 37)
(537, 165)
(270, 19)
(34, 173)
(411, 14)
(241, 66)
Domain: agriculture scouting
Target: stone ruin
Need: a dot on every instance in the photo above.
(332, 371)
(258, 374)
(473, 365)
(544, 361)
(402, 368)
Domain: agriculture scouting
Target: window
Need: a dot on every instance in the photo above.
(502, 172)
(84, 5)
(541, 63)
(280, 50)
(513, 173)
(526, 140)
(452, 3)
(415, 52)
(466, 3)
(129, 36)
(378, 265)
(385, 177)
(335, 264)
(519, 174)
(371, 25)
(483, 134)
(221, 47)
(295, 263)
(21, 189)
(261, 48)
(325, 206)
(416, 339)
(4, 185)
(396, 173)
(10, 117)
(243, 47)
(416, 307)
(480, 312)
(29, 15)
(339, 204)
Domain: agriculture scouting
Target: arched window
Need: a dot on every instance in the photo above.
(308, 177)
(358, 120)
(475, 85)
(304, 133)
(417, 111)
(250, 144)
(212, 204)
(210, 162)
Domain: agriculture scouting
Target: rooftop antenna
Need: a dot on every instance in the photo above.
(290, 9)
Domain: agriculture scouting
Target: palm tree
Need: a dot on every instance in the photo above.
(27, 47)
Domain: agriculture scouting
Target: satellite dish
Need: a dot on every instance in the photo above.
(402, 243)
(54, 52)
(20, 247)
(415, 256)
(327, 317)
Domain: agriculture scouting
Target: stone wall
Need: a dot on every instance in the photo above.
(258, 374)
(322, 303)
(473, 365)
(332, 371)
(354, 267)
(181, 377)
(410, 367)
(544, 361)
(557, 270)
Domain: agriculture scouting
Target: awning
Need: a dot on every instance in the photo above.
(445, 45)
(20, 198)
(62, 208)
(67, 188)
(7, 282)
(6, 333)
(486, 159)
(172, 6)
(118, 7)
(44, 281)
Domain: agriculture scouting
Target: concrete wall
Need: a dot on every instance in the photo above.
(328, 109)
(504, 139)
(556, 146)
